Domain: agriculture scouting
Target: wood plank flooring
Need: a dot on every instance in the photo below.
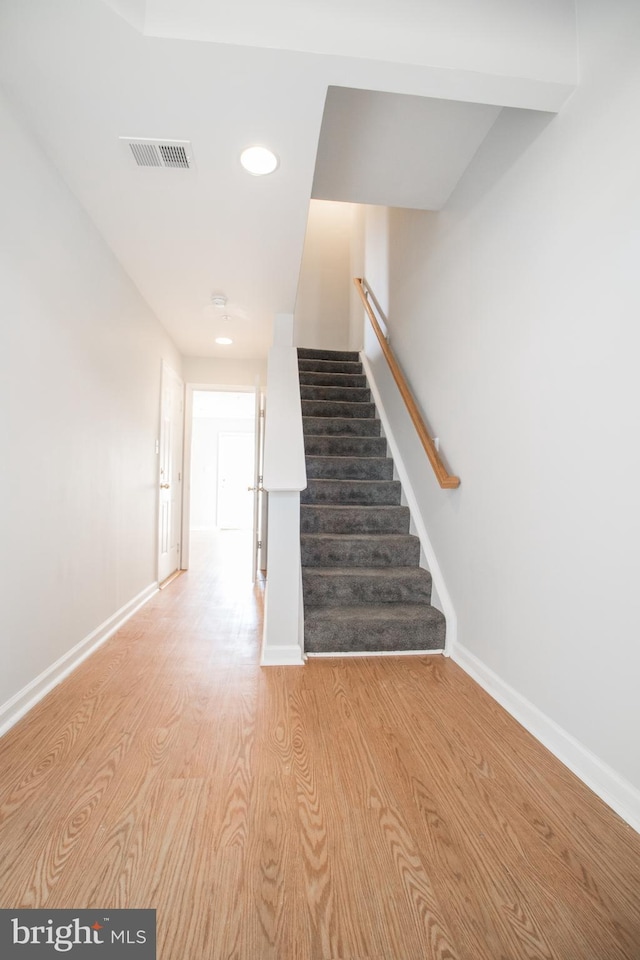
(381, 809)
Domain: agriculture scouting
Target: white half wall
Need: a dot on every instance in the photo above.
(285, 476)
(80, 364)
(514, 313)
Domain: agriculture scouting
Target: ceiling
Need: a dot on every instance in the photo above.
(83, 73)
(496, 36)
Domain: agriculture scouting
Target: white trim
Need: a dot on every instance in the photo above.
(33, 692)
(282, 656)
(185, 551)
(433, 566)
(380, 653)
(617, 792)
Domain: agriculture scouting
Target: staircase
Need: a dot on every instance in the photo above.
(364, 590)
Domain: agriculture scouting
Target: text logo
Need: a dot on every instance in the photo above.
(80, 934)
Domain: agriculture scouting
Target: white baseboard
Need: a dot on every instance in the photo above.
(433, 566)
(290, 656)
(613, 789)
(28, 697)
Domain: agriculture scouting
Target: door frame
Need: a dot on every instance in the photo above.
(166, 370)
(192, 388)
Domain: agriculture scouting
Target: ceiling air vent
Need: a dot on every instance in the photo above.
(175, 154)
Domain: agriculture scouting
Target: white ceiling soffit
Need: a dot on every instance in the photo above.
(396, 151)
(520, 38)
(514, 53)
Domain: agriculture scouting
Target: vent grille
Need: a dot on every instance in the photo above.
(173, 154)
(145, 155)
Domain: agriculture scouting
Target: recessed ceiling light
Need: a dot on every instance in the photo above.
(226, 318)
(218, 299)
(225, 341)
(258, 161)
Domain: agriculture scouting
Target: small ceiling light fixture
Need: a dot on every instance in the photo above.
(224, 341)
(218, 300)
(258, 161)
(226, 318)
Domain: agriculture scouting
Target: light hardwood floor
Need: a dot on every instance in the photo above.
(380, 809)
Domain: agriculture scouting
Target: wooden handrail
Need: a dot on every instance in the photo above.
(444, 478)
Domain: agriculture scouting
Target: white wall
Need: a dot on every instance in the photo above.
(237, 373)
(321, 318)
(80, 363)
(514, 313)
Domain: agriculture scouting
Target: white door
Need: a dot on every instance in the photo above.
(235, 477)
(170, 473)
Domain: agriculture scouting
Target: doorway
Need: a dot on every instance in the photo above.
(221, 428)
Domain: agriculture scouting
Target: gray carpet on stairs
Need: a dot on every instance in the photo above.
(364, 590)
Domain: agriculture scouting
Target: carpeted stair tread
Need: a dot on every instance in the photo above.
(364, 589)
(341, 586)
(341, 393)
(319, 518)
(373, 628)
(315, 379)
(309, 353)
(359, 550)
(341, 426)
(349, 468)
(355, 492)
(338, 408)
(331, 445)
(329, 366)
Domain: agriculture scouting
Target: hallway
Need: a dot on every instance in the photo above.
(372, 809)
